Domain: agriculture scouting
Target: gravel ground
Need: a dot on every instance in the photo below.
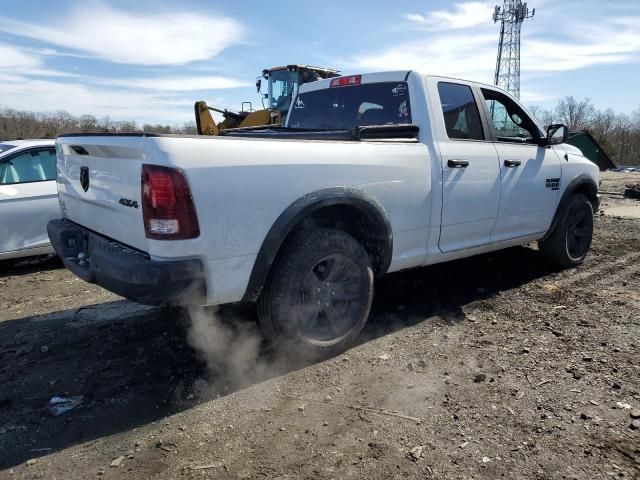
(494, 366)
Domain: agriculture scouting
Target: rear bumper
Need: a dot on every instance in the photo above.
(125, 271)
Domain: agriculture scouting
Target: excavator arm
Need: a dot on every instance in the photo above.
(206, 125)
(204, 120)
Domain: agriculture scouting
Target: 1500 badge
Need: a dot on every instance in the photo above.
(553, 183)
(128, 203)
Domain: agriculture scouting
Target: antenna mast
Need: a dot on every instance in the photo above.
(511, 16)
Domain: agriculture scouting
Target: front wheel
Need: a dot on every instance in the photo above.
(569, 243)
(318, 295)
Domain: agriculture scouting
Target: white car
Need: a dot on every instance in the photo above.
(28, 197)
(374, 173)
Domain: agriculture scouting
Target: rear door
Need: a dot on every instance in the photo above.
(470, 167)
(529, 174)
(28, 198)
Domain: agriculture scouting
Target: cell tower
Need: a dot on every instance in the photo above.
(511, 16)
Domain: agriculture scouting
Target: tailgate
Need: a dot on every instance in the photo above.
(99, 185)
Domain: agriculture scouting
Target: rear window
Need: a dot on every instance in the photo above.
(341, 108)
(5, 146)
(461, 115)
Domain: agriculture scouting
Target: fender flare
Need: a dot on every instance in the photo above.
(301, 209)
(581, 181)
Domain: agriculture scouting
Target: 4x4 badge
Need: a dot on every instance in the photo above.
(84, 178)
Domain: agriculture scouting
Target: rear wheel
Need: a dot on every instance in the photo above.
(570, 240)
(318, 296)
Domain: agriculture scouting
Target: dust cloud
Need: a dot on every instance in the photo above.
(233, 350)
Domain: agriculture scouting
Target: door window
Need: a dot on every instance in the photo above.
(510, 122)
(32, 166)
(461, 115)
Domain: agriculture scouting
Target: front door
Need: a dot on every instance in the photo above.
(470, 169)
(28, 198)
(529, 174)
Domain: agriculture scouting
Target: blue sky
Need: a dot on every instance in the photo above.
(149, 61)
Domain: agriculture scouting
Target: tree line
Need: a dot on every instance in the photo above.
(617, 133)
(19, 124)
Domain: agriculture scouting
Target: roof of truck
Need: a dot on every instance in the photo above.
(373, 77)
(390, 76)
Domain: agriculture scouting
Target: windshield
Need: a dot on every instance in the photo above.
(282, 85)
(5, 146)
(384, 103)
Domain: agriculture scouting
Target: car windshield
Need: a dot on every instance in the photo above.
(5, 146)
(384, 103)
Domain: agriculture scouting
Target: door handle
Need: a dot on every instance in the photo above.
(458, 163)
(512, 163)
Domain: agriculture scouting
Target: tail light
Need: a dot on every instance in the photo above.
(345, 81)
(167, 205)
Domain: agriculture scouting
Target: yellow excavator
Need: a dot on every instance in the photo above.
(281, 85)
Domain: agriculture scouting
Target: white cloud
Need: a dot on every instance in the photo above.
(142, 38)
(616, 40)
(176, 83)
(25, 61)
(471, 52)
(12, 58)
(453, 55)
(27, 84)
(24, 93)
(464, 15)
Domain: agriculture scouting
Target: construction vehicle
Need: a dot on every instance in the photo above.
(282, 82)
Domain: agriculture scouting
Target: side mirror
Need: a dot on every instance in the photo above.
(556, 134)
(258, 84)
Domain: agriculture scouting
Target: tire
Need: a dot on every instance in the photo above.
(318, 294)
(569, 243)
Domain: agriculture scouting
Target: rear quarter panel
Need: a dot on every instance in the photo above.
(241, 186)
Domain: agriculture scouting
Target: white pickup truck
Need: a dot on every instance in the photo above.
(373, 173)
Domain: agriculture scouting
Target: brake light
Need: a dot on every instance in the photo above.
(167, 205)
(346, 81)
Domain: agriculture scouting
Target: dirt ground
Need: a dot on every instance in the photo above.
(492, 367)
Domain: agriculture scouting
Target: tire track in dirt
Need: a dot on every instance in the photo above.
(613, 271)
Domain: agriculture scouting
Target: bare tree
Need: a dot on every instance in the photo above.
(575, 114)
(545, 117)
(16, 124)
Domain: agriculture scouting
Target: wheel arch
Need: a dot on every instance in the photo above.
(583, 184)
(348, 209)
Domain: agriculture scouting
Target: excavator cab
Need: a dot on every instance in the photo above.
(282, 83)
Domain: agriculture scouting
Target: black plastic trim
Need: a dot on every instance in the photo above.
(79, 149)
(580, 180)
(301, 209)
(126, 271)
